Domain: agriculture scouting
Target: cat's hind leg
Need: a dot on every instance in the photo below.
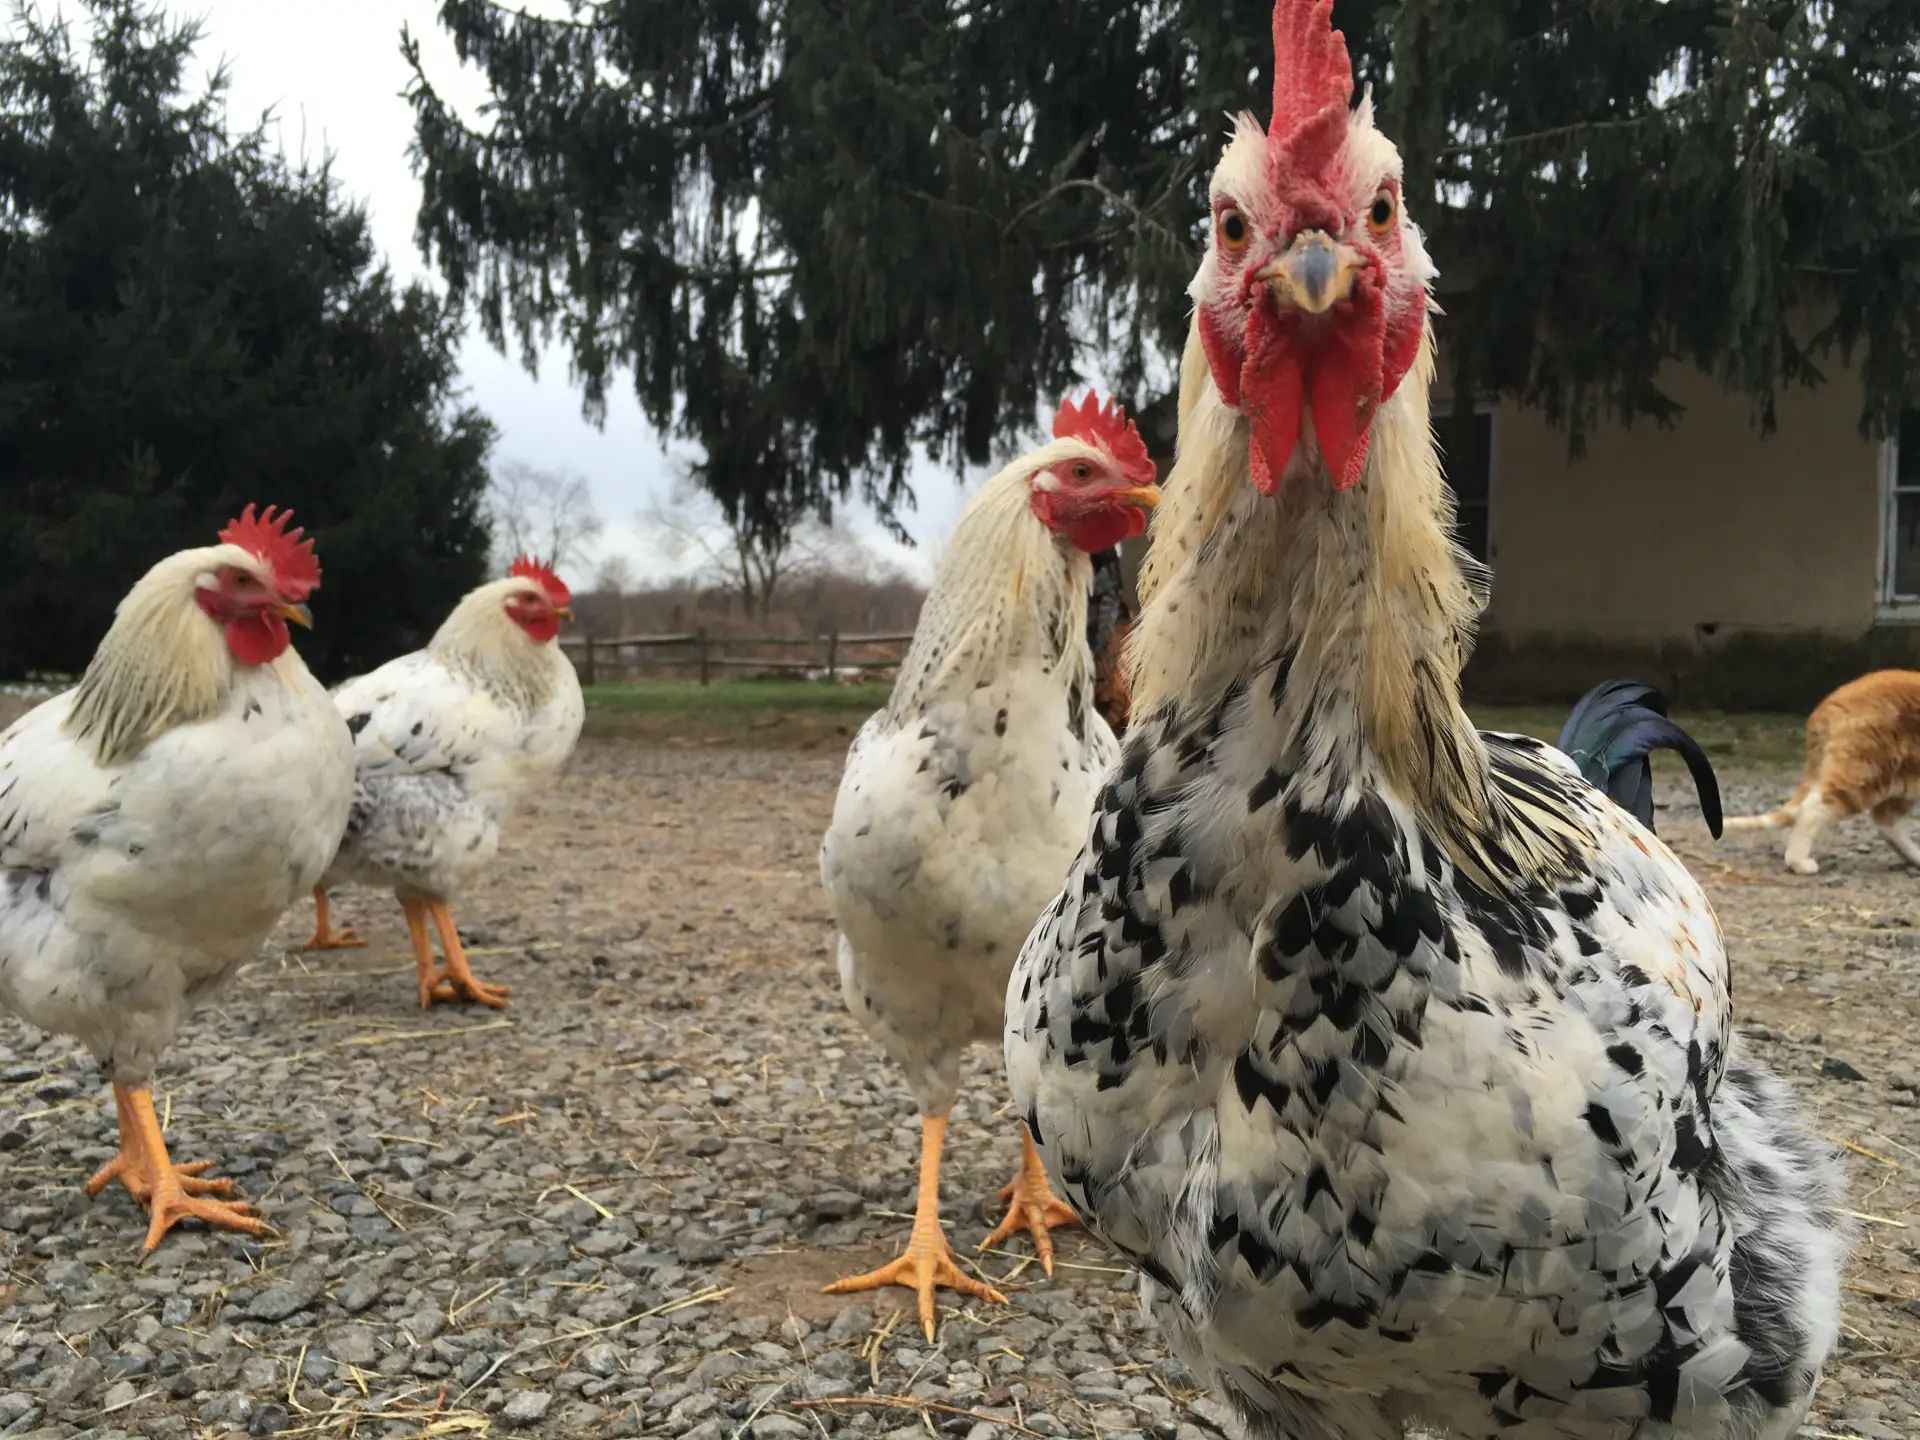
(1890, 816)
(1815, 813)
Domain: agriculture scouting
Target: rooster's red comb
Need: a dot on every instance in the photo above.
(1106, 425)
(296, 573)
(1312, 82)
(528, 567)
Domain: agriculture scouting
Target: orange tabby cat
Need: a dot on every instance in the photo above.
(1863, 753)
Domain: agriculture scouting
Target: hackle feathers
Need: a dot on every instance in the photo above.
(162, 662)
(480, 641)
(1006, 586)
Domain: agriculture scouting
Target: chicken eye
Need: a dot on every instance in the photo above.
(1233, 230)
(1381, 214)
(1082, 472)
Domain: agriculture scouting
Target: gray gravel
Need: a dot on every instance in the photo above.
(609, 1211)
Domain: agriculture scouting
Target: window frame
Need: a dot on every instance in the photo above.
(1491, 409)
(1892, 604)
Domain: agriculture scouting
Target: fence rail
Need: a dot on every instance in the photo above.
(610, 657)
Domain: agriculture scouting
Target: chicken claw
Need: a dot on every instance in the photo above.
(928, 1262)
(1031, 1206)
(324, 936)
(172, 1203)
(453, 980)
(171, 1193)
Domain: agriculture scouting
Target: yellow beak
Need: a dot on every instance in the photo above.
(1314, 275)
(298, 614)
(1143, 496)
(565, 612)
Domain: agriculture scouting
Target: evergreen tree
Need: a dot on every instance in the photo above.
(821, 232)
(188, 324)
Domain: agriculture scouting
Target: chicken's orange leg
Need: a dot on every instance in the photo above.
(170, 1192)
(324, 936)
(416, 913)
(456, 981)
(928, 1262)
(1031, 1205)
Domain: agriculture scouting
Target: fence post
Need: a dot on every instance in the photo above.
(833, 654)
(706, 673)
(591, 676)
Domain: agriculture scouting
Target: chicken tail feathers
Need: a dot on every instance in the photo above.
(1611, 732)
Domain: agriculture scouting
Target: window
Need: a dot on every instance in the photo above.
(1900, 557)
(1466, 457)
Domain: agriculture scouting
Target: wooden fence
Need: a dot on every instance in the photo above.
(619, 657)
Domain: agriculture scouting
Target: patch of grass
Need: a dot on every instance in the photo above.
(1730, 738)
(801, 714)
(807, 714)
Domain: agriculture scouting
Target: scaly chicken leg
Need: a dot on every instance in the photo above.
(454, 981)
(324, 936)
(1031, 1205)
(170, 1192)
(928, 1262)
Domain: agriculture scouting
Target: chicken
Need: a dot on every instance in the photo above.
(1109, 621)
(157, 820)
(964, 800)
(447, 741)
(1611, 732)
(1399, 1060)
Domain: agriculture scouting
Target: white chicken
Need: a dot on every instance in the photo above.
(158, 819)
(447, 741)
(965, 799)
(1398, 1058)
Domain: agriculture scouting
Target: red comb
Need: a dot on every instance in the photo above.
(296, 574)
(528, 568)
(1106, 425)
(1312, 81)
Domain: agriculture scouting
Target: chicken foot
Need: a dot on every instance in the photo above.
(324, 936)
(171, 1193)
(1031, 1206)
(454, 980)
(928, 1261)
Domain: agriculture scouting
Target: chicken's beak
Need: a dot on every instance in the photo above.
(1144, 497)
(565, 612)
(298, 614)
(1314, 275)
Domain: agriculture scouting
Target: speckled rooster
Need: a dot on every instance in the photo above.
(1399, 1059)
(447, 742)
(965, 800)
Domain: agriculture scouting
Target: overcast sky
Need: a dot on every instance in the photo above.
(332, 73)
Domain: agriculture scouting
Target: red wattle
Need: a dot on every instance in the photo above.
(257, 639)
(1105, 528)
(1272, 388)
(540, 628)
(1222, 358)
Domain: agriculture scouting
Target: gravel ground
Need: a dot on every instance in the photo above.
(609, 1211)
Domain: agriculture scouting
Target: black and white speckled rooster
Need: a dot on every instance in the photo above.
(965, 800)
(447, 742)
(1397, 1058)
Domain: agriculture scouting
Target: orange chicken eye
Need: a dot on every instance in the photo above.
(1380, 215)
(1233, 230)
(1081, 472)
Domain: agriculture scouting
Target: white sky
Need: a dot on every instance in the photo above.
(332, 72)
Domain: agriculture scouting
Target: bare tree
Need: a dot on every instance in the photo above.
(548, 513)
(754, 563)
(614, 576)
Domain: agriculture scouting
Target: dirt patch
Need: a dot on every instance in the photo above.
(677, 1135)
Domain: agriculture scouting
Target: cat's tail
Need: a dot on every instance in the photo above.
(1786, 814)
(1789, 809)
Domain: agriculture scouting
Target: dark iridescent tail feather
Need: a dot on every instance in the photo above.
(1613, 730)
